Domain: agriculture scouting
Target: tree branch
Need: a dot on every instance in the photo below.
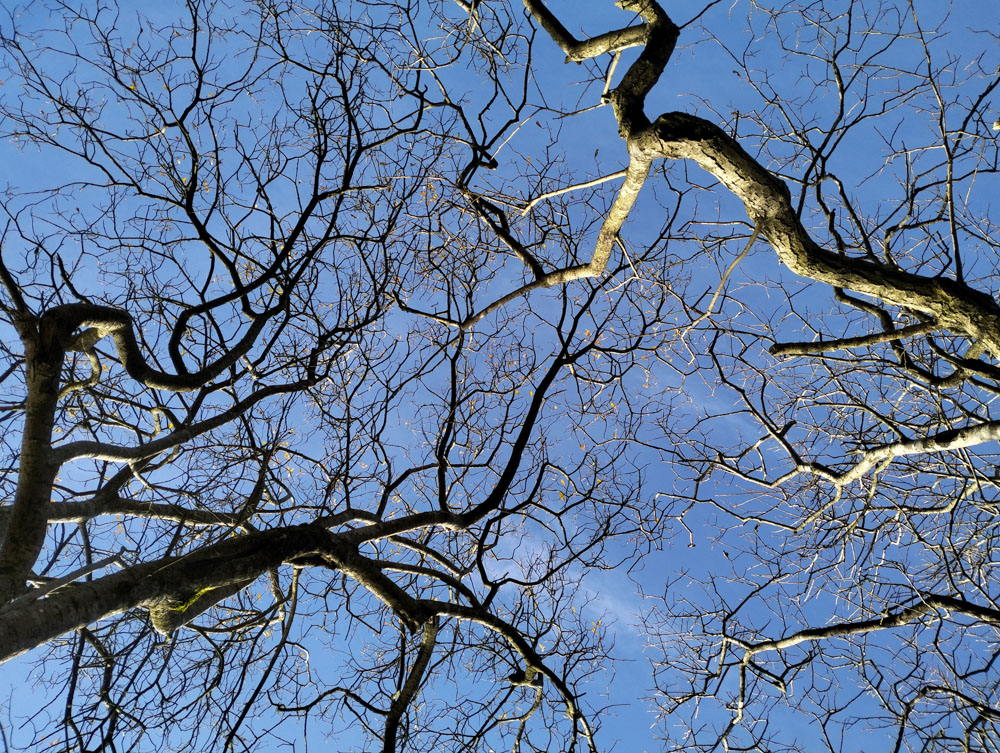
(928, 604)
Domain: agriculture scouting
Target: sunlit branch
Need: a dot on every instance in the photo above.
(575, 187)
(862, 341)
(928, 604)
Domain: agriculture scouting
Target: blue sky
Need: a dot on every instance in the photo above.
(701, 79)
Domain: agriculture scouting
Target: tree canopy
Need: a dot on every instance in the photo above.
(361, 359)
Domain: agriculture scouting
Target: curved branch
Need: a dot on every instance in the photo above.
(766, 198)
(578, 51)
(118, 454)
(102, 321)
(533, 662)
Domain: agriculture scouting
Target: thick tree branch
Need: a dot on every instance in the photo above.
(954, 305)
(25, 530)
(577, 51)
(221, 564)
(676, 135)
(414, 678)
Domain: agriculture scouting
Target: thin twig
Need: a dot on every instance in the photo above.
(560, 191)
(722, 282)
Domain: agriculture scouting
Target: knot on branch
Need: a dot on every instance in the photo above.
(176, 610)
(527, 678)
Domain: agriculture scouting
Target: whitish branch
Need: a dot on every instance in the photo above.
(928, 604)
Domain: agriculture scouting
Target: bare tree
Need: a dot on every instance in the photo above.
(233, 442)
(843, 445)
(326, 384)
